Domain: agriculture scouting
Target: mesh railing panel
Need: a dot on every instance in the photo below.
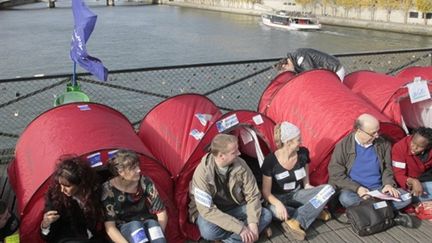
(232, 86)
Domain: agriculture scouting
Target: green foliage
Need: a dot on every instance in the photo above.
(424, 6)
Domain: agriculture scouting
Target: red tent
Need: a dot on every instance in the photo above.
(253, 122)
(389, 95)
(273, 87)
(90, 130)
(411, 72)
(178, 132)
(324, 110)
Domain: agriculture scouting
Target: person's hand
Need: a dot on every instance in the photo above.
(281, 211)
(254, 229)
(361, 191)
(49, 218)
(308, 186)
(415, 187)
(391, 190)
(246, 235)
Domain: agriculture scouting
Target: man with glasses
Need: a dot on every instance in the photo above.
(361, 162)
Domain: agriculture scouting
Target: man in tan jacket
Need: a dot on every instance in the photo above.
(225, 199)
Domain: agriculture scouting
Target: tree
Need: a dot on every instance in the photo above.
(424, 6)
(347, 5)
(406, 5)
(389, 6)
(304, 3)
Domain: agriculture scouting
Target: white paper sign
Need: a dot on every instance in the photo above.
(289, 186)
(300, 173)
(282, 175)
(155, 233)
(258, 119)
(418, 91)
(246, 136)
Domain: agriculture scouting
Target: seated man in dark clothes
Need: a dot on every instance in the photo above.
(8, 221)
(304, 59)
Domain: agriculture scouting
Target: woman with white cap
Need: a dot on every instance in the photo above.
(286, 187)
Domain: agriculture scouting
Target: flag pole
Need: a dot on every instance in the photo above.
(74, 75)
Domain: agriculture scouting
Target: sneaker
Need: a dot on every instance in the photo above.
(325, 215)
(292, 226)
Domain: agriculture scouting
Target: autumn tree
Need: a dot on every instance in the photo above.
(389, 6)
(406, 6)
(424, 6)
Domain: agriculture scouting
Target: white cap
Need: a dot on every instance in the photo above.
(289, 131)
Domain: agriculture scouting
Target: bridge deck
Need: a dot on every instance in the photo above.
(331, 231)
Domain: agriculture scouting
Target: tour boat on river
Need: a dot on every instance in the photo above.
(291, 20)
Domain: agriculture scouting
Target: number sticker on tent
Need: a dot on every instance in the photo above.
(84, 107)
(203, 118)
(196, 134)
(95, 159)
(227, 122)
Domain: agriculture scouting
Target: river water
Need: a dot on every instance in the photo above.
(36, 40)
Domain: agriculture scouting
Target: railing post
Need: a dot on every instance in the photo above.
(51, 3)
(110, 3)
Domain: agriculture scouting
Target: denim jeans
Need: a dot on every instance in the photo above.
(299, 206)
(427, 192)
(349, 198)
(210, 231)
(143, 231)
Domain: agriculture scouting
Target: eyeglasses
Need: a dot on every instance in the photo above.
(374, 134)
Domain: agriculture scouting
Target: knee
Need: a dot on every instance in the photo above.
(266, 215)
(348, 198)
(133, 225)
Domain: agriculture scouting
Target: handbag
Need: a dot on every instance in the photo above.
(370, 216)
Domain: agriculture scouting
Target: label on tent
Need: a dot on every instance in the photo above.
(95, 159)
(196, 134)
(322, 196)
(379, 205)
(139, 236)
(258, 119)
(418, 91)
(246, 136)
(112, 153)
(227, 122)
(203, 118)
(155, 233)
(84, 107)
(398, 164)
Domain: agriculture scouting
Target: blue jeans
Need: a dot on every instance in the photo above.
(210, 231)
(427, 192)
(349, 198)
(143, 231)
(299, 206)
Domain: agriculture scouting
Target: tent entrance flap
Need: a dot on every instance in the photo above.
(418, 114)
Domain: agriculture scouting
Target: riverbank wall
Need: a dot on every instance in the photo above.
(258, 9)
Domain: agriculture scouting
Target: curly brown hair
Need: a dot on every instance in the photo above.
(77, 172)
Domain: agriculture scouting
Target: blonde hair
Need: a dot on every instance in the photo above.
(122, 160)
(277, 136)
(220, 143)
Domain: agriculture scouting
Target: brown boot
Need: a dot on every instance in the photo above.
(325, 215)
(293, 227)
(267, 232)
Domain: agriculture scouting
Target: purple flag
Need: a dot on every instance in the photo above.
(85, 21)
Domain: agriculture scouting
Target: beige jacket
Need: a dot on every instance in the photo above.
(243, 189)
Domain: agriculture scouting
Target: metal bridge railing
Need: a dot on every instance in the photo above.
(231, 85)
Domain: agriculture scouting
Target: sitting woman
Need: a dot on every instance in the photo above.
(412, 164)
(134, 212)
(286, 183)
(72, 207)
